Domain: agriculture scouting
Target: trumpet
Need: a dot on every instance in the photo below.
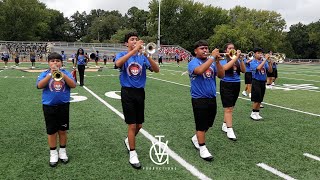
(150, 48)
(232, 54)
(57, 75)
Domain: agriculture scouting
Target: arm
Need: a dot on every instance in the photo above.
(75, 61)
(125, 58)
(221, 71)
(154, 65)
(203, 67)
(70, 82)
(242, 66)
(44, 82)
(270, 66)
(231, 63)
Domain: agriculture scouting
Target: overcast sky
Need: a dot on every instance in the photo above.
(293, 11)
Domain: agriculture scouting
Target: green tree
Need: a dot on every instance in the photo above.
(137, 19)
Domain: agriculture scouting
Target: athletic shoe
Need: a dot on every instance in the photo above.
(249, 95)
(195, 142)
(254, 116)
(53, 158)
(205, 154)
(224, 127)
(244, 93)
(126, 142)
(133, 160)
(258, 115)
(63, 155)
(231, 134)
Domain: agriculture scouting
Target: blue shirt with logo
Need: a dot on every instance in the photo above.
(260, 75)
(56, 92)
(204, 85)
(133, 72)
(232, 74)
(81, 60)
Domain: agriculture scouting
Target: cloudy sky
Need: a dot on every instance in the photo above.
(293, 11)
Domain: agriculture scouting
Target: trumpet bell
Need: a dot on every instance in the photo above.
(151, 48)
(232, 53)
(57, 76)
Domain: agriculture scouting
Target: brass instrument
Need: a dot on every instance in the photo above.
(57, 75)
(150, 49)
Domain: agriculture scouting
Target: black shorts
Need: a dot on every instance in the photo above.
(229, 92)
(204, 111)
(271, 74)
(5, 59)
(275, 73)
(33, 60)
(248, 78)
(96, 59)
(56, 118)
(258, 90)
(132, 100)
(16, 60)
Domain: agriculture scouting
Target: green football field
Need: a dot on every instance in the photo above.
(284, 145)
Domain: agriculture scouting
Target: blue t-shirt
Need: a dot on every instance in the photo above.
(202, 86)
(133, 72)
(248, 69)
(274, 65)
(232, 74)
(64, 57)
(81, 60)
(56, 92)
(256, 74)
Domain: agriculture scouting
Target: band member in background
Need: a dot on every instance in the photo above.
(259, 67)
(275, 72)
(16, 58)
(247, 77)
(5, 59)
(202, 73)
(64, 59)
(133, 70)
(81, 62)
(56, 102)
(96, 59)
(33, 59)
(160, 56)
(230, 86)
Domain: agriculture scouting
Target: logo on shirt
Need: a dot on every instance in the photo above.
(263, 71)
(209, 73)
(57, 86)
(134, 69)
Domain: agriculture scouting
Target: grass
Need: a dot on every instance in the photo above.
(96, 148)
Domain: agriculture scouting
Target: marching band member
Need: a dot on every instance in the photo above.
(247, 76)
(259, 66)
(81, 61)
(56, 102)
(202, 73)
(133, 70)
(230, 86)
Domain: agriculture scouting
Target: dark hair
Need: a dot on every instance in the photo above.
(78, 52)
(128, 35)
(226, 46)
(200, 43)
(257, 49)
(54, 55)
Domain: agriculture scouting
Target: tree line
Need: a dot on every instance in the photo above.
(182, 23)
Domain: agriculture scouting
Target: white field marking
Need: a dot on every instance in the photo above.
(172, 74)
(193, 170)
(113, 94)
(290, 109)
(312, 156)
(275, 171)
(289, 87)
(298, 74)
(6, 77)
(299, 79)
(1, 70)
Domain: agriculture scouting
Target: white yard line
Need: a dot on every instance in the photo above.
(282, 107)
(194, 171)
(312, 156)
(275, 171)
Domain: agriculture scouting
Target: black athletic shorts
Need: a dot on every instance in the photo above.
(229, 92)
(132, 100)
(258, 90)
(275, 73)
(204, 111)
(248, 78)
(271, 74)
(56, 118)
(5, 59)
